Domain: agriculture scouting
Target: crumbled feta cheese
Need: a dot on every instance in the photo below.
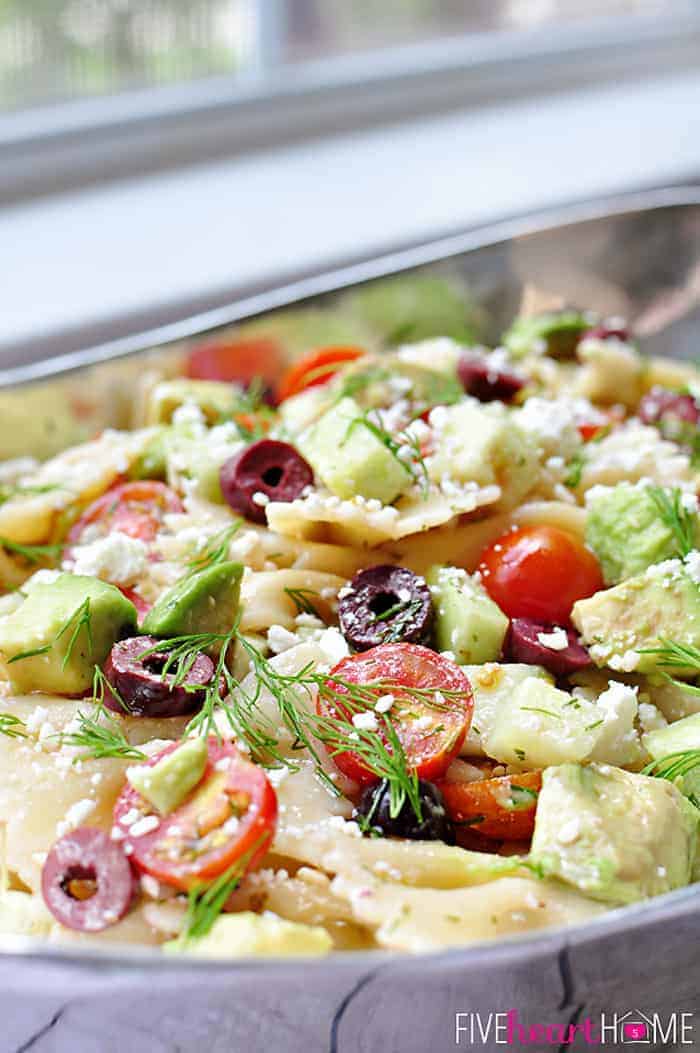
(365, 721)
(260, 499)
(75, 816)
(384, 703)
(117, 558)
(333, 645)
(280, 639)
(557, 640)
(692, 566)
(190, 416)
(150, 886)
(146, 825)
(689, 501)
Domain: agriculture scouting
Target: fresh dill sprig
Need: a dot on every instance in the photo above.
(357, 382)
(300, 599)
(12, 726)
(99, 733)
(679, 520)
(32, 553)
(80, 619)
(674, 655)
(216, 549)
(575, 470)
(404, 611)
(7, 492)
(675, 767)
(205, 902)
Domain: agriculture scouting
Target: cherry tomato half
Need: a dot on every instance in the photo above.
(318, 367)
(503, 808)
(431, 730)
(230, 815)
(592, 430)
(136, 509)
(539, 573)
(240, 361)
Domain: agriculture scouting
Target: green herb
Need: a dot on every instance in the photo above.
(356, 382)
(575, 470)
(594, 725)
(521, 797)
(7, 492)
(675, 767)
(300, 599)
(216, 550)
(673, 655)
(99, 733)
(12, 726)
(680, 520)
(520, 754)
(205, 902)
(32, 553)
(404, 611)
(544, 712)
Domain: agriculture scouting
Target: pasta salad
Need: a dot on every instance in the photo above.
(397, 651)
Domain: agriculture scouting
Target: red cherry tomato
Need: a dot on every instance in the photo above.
(238, 361)
(539, 573)
(136, 509)
(430, 734)
(318, 367)
(229, 816)
(615, 415)
(503, 808)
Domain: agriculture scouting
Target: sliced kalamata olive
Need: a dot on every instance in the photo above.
(523, 644)
(674, 413)
(486, 381)
(385, 604)
(86, 881)
(140, 685)
(266, 471)
(374, 812)
(612, 329)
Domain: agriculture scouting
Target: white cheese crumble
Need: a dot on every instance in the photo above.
(75, 816)
(692, 566)
(333, 645)
(190, 416)
(146, 825)
(384, 703)
(280, 639)
(365, 721)
(557, 640)
(117, 558)
(260, 499)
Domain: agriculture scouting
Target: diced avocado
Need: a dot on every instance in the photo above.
(215, 399)
(627, 531)
(681, 737)
(467, 621)
(65, 628)
(379, 380)
(414, 307)
(350, 459)
(166, 784)
(199, 460)
(543, 725)
(618, 624)
(554, 333)
(615, 835)
(265, 935)
(203, 602)
(151, 462)
(483, 444)
(493, 686)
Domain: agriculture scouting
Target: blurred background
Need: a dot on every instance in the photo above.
(163, 156)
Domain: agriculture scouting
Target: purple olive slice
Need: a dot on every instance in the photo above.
(523, 644)
(385, 604)
(486, 382)
(87, 882)
(138, 681)
(675, 413)
(267, 470)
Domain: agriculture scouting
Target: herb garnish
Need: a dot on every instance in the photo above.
(216, 549)
(99, 733)
(12, 726)
(404, 448)
(673, 655)
(675, 767)
(680, 520)
(32, 553)
(81, 617)
(303, 604)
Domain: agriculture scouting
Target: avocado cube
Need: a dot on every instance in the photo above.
(200, 459)
(467, 621)
(627, 531)
(619, 624)
(554, 333)
(64, 628)
(151, 462)
(483, 444)
(615, 835)
(203, 602)
(215, 399)
(350, 459)
(167, 783)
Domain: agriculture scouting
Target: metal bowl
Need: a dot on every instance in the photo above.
(633, 972)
